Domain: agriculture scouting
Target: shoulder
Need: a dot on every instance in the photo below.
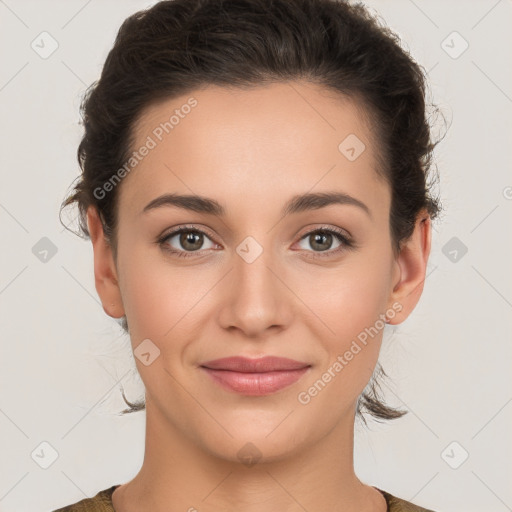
(399, 505)
(102, 502)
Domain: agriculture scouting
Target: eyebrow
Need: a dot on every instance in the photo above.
(298, 203)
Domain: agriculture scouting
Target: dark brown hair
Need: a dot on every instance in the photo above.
(177, 46)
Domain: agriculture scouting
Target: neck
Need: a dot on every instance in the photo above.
(179, 475)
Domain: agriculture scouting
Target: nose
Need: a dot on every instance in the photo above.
(257, 299)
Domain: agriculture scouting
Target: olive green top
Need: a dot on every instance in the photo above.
(102, 502)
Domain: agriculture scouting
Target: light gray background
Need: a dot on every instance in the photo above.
(62, 358)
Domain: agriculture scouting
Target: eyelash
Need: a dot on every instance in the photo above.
(346, 242)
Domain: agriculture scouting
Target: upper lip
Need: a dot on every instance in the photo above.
(249, 365)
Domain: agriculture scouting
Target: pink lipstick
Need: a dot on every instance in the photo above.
(255, 377)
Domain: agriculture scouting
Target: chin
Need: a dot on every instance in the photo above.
(250, 444)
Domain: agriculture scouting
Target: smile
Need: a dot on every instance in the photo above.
(255, 377)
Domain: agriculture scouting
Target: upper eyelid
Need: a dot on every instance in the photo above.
(176, 231)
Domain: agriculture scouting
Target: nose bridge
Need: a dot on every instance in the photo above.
(251, 267)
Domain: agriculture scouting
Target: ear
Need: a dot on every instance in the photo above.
(410, 267)
(105, 273)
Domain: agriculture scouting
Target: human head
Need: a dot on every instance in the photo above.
(176, 47)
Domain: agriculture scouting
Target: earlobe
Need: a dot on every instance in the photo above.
(412, 262)
(105, 273)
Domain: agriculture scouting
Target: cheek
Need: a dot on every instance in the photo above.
(352, 297)
(351, 303)
(147, 292)
(159, 297)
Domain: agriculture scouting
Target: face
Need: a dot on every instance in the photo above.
(308, 280)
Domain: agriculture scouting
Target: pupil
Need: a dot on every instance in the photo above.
(322, 236)
(188, 239)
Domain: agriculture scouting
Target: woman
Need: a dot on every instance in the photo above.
(255, 189)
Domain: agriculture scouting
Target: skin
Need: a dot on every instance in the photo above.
(252, 150)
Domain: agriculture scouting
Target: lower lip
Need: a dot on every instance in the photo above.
(255, 384)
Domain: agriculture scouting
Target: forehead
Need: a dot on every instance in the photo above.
(259, 142)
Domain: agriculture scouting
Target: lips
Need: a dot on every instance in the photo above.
(255, 377)
(261, 365)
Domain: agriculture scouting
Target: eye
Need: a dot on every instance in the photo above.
(188, 240)
(321, 241)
